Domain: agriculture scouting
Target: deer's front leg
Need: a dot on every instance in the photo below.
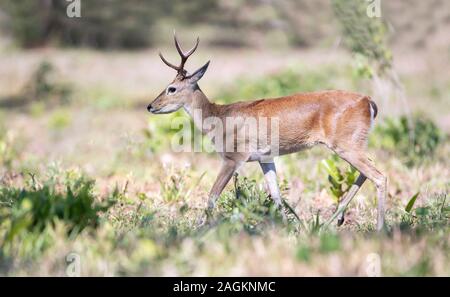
(270, 175)
(225, 174)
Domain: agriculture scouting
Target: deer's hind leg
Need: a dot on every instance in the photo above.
(344, 202)
(361, 162)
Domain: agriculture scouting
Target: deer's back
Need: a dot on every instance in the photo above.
(331, 117)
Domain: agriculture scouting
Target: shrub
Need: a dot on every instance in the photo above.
(415, 146)
(248, 207)
(43, 86)
(103, 24)
(363, 35)
(34, 208)
(26, 21)
(279, 84)
(433, 215)
(340, 180)
(115, 24)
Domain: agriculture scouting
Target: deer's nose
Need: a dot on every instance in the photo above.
(149, 108)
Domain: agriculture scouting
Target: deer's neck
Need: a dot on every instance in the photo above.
(200, 108)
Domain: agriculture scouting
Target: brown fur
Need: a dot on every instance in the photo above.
(333, 118)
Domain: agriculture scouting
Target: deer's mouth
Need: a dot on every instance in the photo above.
(165, 109)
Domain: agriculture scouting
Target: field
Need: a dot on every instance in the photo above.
(103, 148)
(90, 185)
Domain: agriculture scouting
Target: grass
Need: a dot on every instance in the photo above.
(109, 190)
(160, 235)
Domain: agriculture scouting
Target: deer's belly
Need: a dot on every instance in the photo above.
(274, 151)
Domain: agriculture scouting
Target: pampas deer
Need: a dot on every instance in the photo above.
(340, 120)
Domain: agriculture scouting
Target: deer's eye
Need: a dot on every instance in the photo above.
(171, 90)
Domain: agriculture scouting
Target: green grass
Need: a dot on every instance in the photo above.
(29, 212)
(415, 139)
(284, 83)
(138, 235)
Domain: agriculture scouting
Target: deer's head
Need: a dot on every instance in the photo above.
(179, 92)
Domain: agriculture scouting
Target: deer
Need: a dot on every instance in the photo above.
(339, 120)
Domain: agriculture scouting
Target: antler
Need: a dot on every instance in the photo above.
(184, 56)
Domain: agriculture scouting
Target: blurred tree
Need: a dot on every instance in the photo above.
(103, 24)
(304, 21)
(29, 20)
(364, 35)
(191, 12)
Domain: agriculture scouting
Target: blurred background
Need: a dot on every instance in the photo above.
(73, 97)
(60, 69)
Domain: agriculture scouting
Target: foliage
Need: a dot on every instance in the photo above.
(248, 207)
(9, 148)
(411, 202)
(177, 184)
(361, 68)
(363, 34)
(434, 214)
(31, 210)
(159, 132)
(27, 20)
(415, 146)
(340, 180)
(34, 23)
(140, 236)
(313, 226)
(59, 120)
(278, 84)
(43, 86)
(176, 129)
(111, 24)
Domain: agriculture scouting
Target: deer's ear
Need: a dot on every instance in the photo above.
(195, 77)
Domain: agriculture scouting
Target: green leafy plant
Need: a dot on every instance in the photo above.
(435, 213)
(363, 35)
(313, 225)
(177, 128)
(248, 207)
(43, 86)
(278, 84)
(411, 202)
(340, 180)
(36, 207)
(394, 135)
(158, 134)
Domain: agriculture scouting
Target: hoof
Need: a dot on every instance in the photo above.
(341, 221)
